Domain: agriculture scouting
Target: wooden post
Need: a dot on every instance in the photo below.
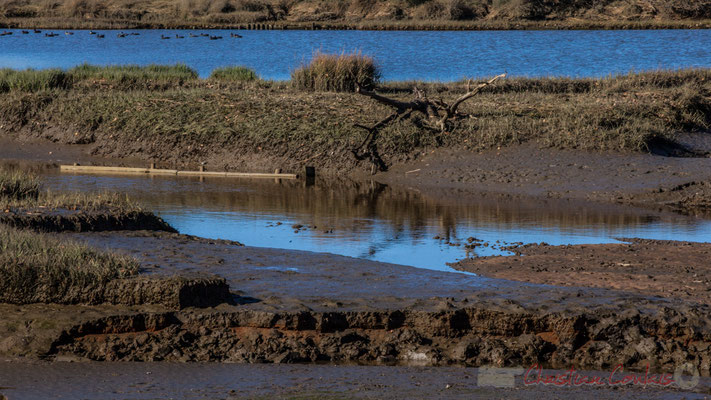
(310, 172)
(202, 168)
(153, 165)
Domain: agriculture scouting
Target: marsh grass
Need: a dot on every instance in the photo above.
(135, 75)
(336, 73)
(16, 185)
(23, 190)
(89, 202)
(126, 76)
(40, 267)
(234, 74)
(32, 80)
(627, 112)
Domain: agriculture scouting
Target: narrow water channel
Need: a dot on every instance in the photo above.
(373, 221)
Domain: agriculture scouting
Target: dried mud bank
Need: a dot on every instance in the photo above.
(173, 292)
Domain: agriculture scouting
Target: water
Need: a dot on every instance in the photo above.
(425, 55)
(376, 222)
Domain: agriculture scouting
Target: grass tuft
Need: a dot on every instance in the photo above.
(18, 185)
(234, 74)
(336, 73)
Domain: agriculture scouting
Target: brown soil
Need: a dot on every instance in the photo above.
(388, 317)
(175, 292)
(264, 381)
(60, 220)
(680, 183)
(667, 269)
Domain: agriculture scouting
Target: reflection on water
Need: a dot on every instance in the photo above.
(430, 55)
(374, 221)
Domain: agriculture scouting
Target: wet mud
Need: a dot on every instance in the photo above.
(663, 268)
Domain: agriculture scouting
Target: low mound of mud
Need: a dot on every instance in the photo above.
(80, 221)
(471, 336)
(174, 293)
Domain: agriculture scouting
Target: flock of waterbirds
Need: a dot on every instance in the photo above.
(123, 35)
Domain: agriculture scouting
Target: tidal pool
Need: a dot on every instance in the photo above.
(373, 221)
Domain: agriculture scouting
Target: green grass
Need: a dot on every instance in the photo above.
(172, 73)
(37, 267)
(31, 80)
(123, 76)
(234, 74)
(336, 72)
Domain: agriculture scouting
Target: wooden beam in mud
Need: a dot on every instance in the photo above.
(91, 169)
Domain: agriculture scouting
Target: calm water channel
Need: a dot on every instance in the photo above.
(373, 221)
(425, 55)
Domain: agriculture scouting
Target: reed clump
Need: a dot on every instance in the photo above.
(336, 73)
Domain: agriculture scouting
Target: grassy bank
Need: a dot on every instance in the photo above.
(256, 124)
(36, 266)
(358, 14)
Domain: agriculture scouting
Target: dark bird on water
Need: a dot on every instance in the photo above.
(38, 31)
(235, 35)
(215, 37)
(179, 37)
(25, 32)
(164, 37)
(121, 35)
(68, 33)
(101, 36)
(92, 33)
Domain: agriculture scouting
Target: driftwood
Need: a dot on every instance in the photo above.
(439, 116)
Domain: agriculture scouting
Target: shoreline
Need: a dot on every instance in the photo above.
(371, 25)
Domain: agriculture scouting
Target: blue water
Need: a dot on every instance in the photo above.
(425, 55)
(377, 223)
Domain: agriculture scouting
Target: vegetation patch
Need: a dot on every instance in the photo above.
(17, 185)
(35, 268)
(336, 73)
(362, 14)
(231, 126)
(31, 80)
(24, 205)
(234, 74)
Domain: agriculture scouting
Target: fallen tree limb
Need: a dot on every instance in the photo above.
(439, 113)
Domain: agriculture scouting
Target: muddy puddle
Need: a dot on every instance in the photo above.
(377, 222)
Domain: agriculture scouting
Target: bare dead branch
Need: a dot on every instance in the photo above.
(438, 113)
(471, 93)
